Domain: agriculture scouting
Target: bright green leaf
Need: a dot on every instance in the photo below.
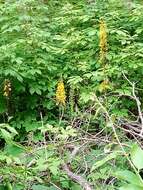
(137, 156)
(130, 177)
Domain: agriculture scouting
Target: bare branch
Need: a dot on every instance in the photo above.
(77, 178)
(137, 102)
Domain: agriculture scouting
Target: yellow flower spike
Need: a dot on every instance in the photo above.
(105, 85)
(61, 94)
(103, 40)
(7, 88)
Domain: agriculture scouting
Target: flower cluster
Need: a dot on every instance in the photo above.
(60, 93)
(103, 40)
(7, 88)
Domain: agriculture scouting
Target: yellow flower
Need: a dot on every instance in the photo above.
(103, 40)
(105, 85)
(7, 88)
(60, 93)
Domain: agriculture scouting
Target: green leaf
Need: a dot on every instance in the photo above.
(74, 80)
(39, 187)
(54, 170)
(76, 187)
(130, 187)
(52, 188)
(9, 186)
(18, 187)
(2, 125)
(6, 135)
(85, 97)
(2, 187)
(13, 150)
(19, 78)
(11, 129)
(129, 177)
(38, 91)
(137, 156)
(32, 90)
(104, 160)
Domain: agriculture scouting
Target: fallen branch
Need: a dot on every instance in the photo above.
(77, 178)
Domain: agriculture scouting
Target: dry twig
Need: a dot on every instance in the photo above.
(137, 102)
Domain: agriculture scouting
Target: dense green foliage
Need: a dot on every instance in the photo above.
(40, 44)
(43, 42)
